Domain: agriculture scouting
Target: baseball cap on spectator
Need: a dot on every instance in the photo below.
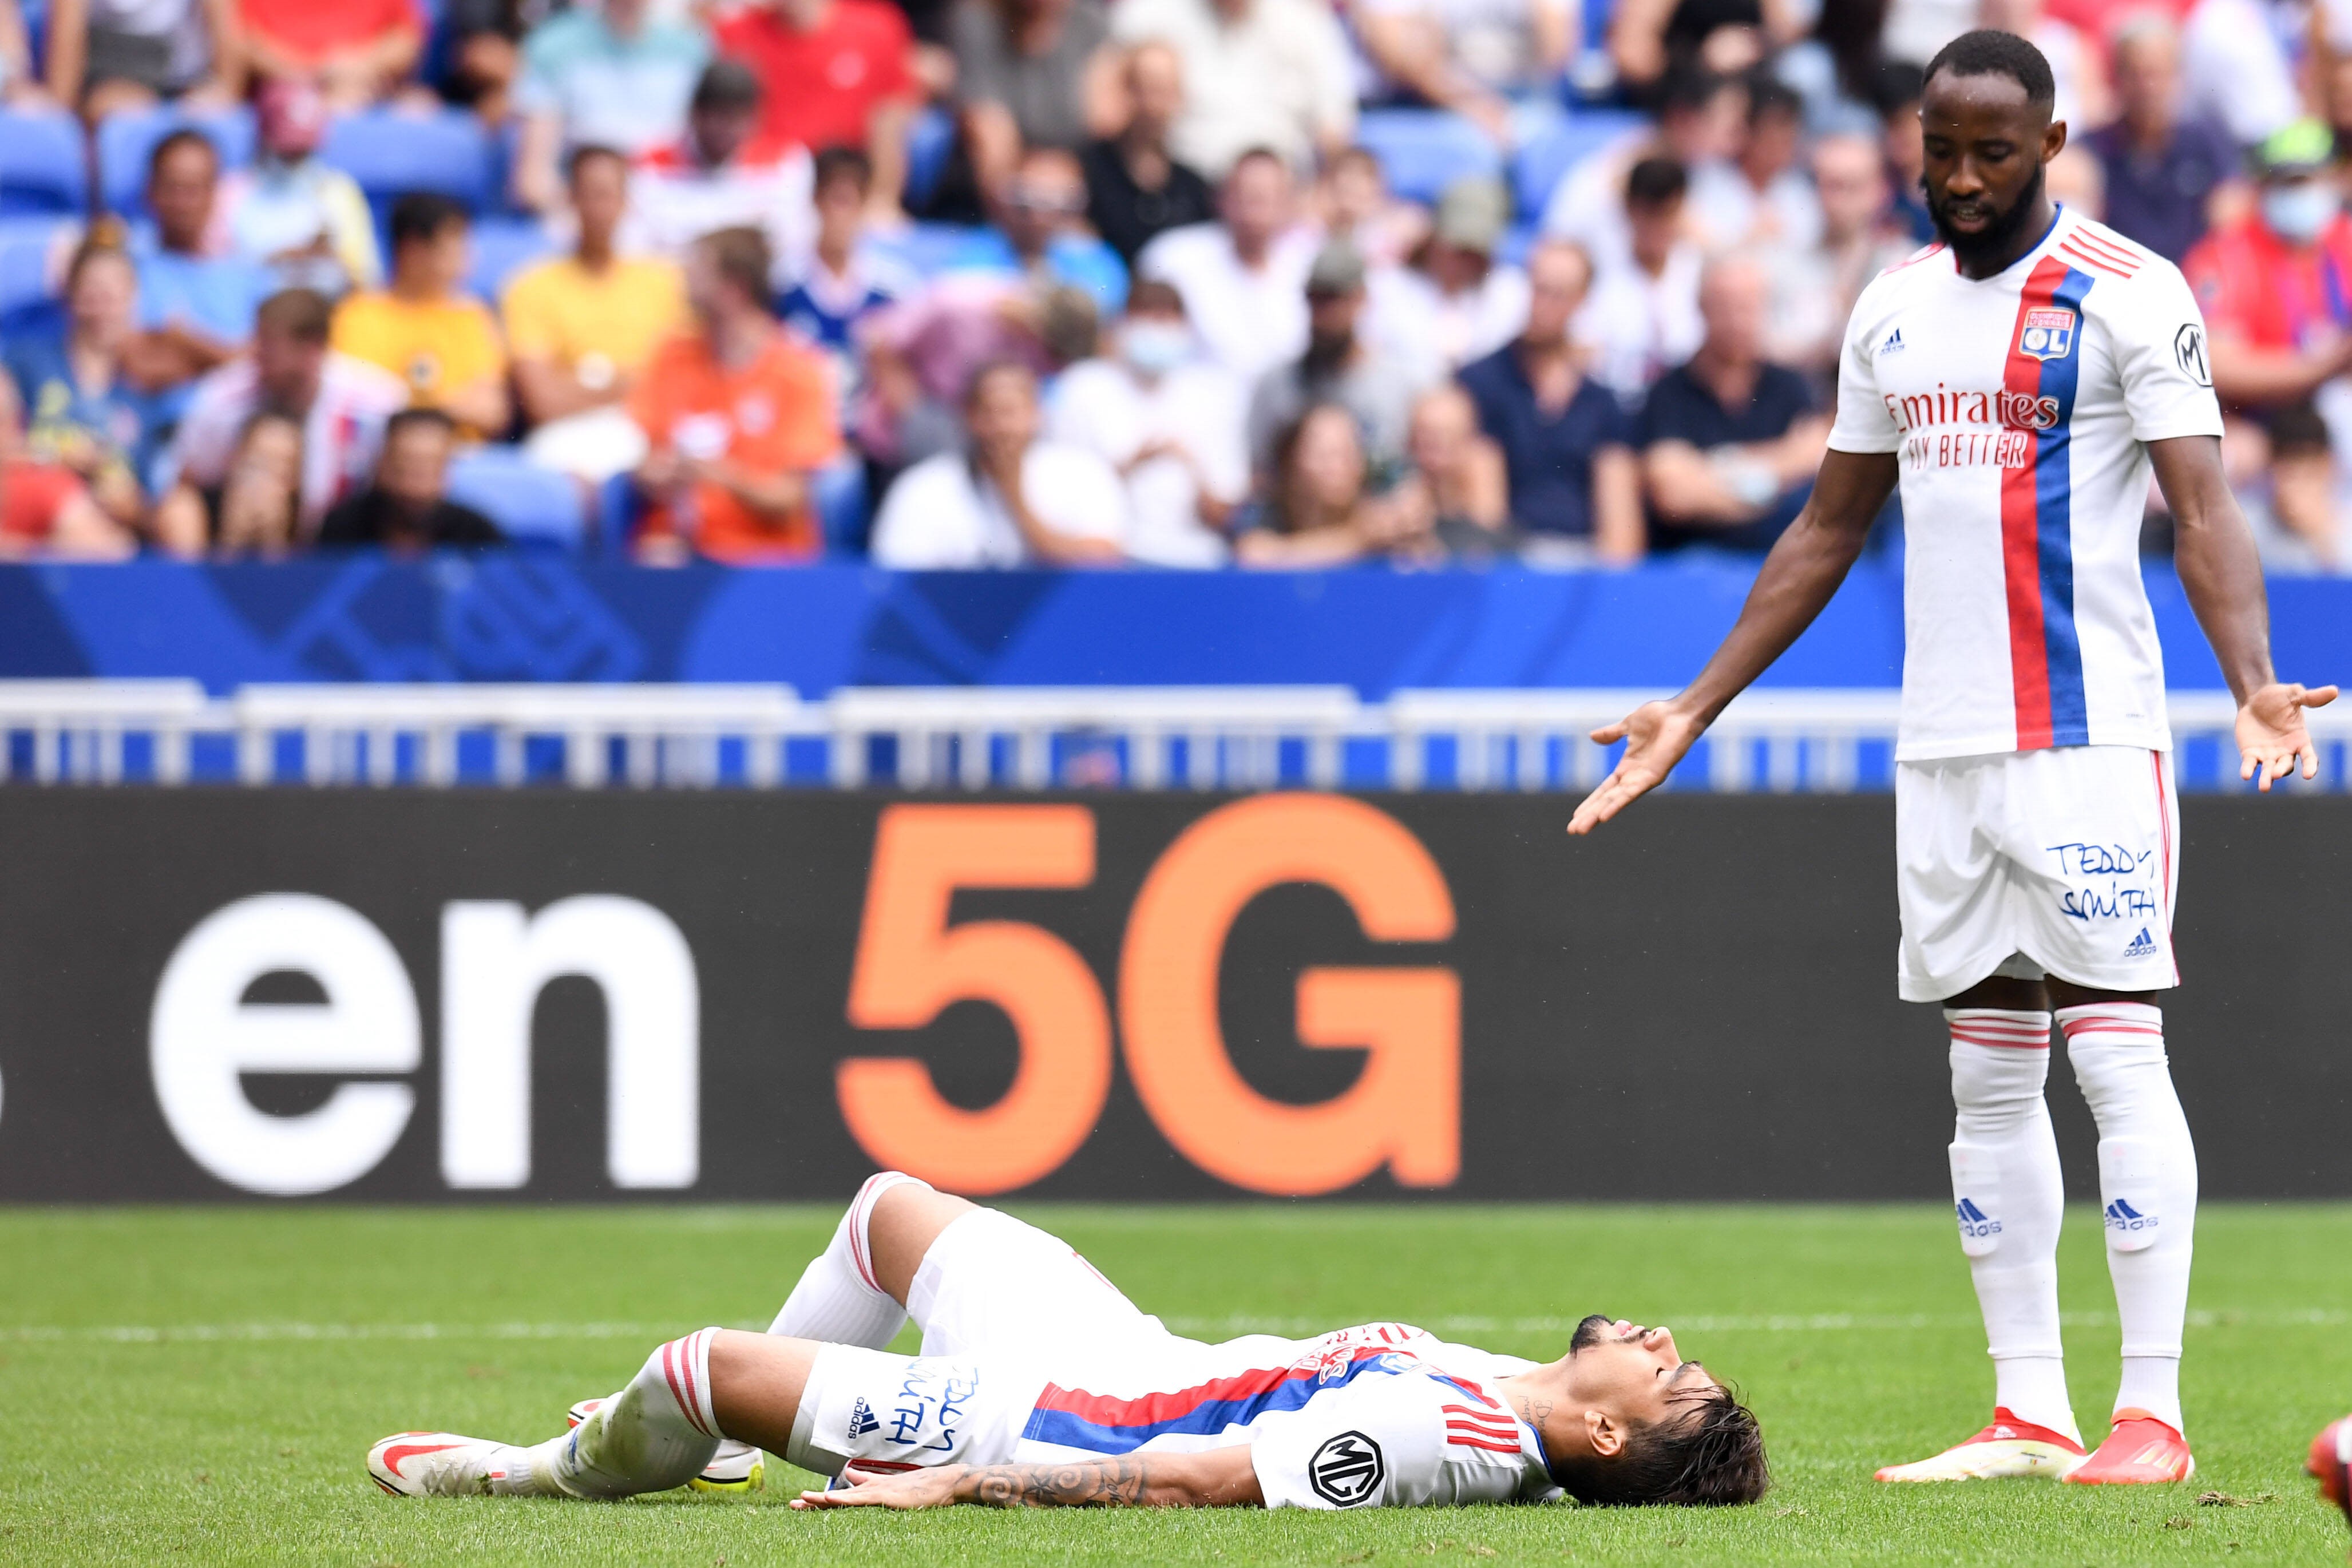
(291, 116)
(2303, 147)
(1339, 269)
(1472, 214)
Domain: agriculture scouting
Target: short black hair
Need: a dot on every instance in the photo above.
(424, 214)
(727, 83)
(185, 136)
(1687, 85)
(1708, 1453)
(843, 163)
(1990, 52)
(412, 418)
(588, 152)
(1767, 95)
(1654, 182)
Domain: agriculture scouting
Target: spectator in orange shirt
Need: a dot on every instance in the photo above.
(738, 417)
(356, 51)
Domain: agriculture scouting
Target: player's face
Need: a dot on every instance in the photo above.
(1629, 1370)
(1983, 145)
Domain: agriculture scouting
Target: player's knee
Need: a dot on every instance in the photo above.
(906, 1219)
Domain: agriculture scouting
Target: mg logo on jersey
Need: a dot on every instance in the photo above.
(1347, 1469)
(2047, 332)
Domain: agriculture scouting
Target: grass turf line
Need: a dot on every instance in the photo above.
(286, 1340)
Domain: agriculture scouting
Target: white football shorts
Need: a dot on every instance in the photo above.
(2062, 862)
(996, 1300)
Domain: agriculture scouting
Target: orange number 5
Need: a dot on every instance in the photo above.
(911, 964)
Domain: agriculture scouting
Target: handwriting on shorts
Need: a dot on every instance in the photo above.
(928, 1397)
(2117, 899)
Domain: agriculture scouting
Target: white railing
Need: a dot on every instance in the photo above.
(1233, 737)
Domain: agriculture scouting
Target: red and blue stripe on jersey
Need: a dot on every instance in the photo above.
(2045, 654)
(1104, 1425)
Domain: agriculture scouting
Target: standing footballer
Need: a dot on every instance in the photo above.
(2021, 378)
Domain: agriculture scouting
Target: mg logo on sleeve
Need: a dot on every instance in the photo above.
(1347, 1469)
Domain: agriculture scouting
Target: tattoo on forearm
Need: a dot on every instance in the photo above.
(1095, 1483)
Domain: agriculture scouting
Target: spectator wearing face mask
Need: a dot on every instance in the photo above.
(292, 213)
(1010, 498)
(408, 511)
(1170, 424)
(2272, 286)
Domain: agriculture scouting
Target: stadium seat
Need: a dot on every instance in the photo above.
(126, 142)
(28, 247)
(42, 168)
(502, 247)
(1543, 162)
(1423, 151)
(930, 141)
(924, 249)
(839, 490)
(531, 505)
(391, 153)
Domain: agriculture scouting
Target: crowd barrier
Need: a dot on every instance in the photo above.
(449, 995)
(1036, 738)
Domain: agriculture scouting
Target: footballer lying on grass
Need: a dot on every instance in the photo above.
(1039, 1383)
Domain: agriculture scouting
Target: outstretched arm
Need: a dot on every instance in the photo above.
(1803, 570)
(1218, 1478)
(2222, 575)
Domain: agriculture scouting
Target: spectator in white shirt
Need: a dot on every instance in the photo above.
(1010, 499)
(1257, 73)
(1167, 422)
(1469, 56)
(713, 178)
(1643, 319)
(1462, 303)
(1760, 201)
(1701, 120)
(1243, 277)
(340, 403)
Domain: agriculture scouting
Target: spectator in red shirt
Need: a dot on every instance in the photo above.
(2276, 290)
(356, 51)
(837, 73)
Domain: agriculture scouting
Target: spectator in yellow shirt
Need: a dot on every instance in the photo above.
(442, 344)
(581, 326)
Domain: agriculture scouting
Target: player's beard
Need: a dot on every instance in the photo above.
(1591, 1331)
(1997, 239)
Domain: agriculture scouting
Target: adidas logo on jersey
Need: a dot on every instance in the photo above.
(862, 1420)
(1974, 1221)
(2121, 1216)
(1894, 343)
(2141, 945)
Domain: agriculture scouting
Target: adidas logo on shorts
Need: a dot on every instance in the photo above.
(2141, 945)
(862, 1420)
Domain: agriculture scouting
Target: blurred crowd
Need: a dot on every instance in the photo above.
(980, 283)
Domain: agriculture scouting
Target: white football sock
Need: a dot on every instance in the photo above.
(2009, 1198)
(838, 1301)
(2147, 1190)
(656, 1434)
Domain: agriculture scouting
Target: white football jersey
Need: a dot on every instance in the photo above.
(2020, 406)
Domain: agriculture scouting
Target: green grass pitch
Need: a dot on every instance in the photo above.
(202, 1385)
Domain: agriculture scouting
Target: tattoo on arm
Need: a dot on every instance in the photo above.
(1095, 1483)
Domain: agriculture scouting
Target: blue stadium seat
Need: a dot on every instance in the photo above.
(924, 249)
(839, 492)
(26, 243)
(126, 142)
(531, 505)
(1543, 162)
(929, 140)
(619, 508)
(391, 153)
(41, 164)
(502, 247)
(1423, 151)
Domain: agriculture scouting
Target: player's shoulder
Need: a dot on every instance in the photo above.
(2122, 270)
(1905, 279)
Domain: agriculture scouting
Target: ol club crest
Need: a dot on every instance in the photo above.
(2047, 332)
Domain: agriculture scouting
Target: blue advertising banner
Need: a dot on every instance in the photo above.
(520, 616)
